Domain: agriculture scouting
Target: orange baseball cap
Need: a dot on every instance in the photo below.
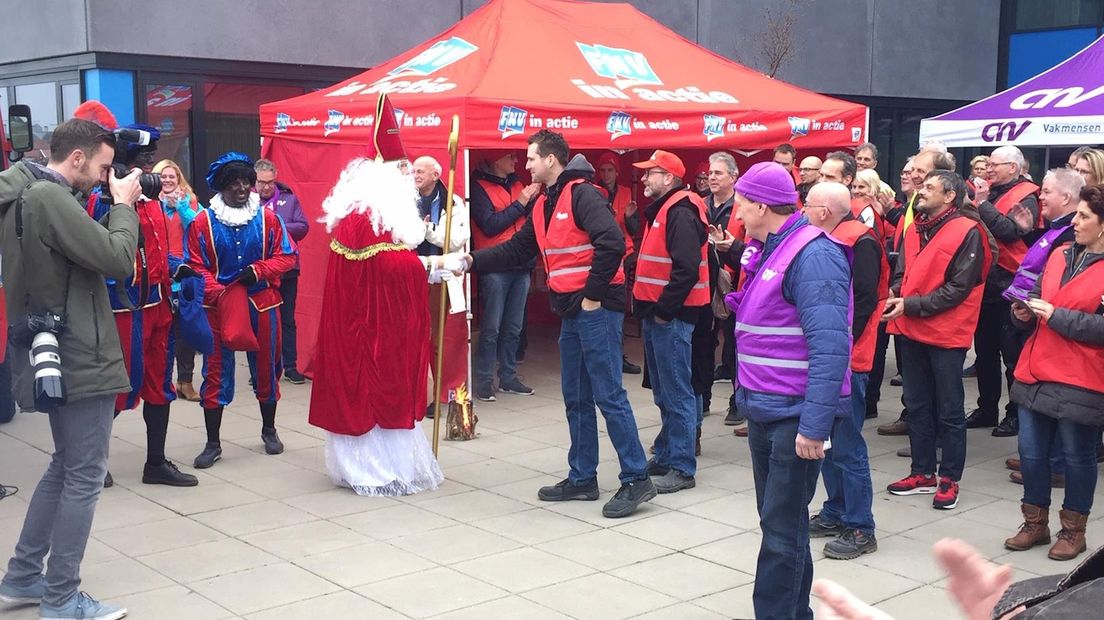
(663, 159)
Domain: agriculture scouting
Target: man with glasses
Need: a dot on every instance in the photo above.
(278, 197)
(1006, 194)
(719, 203)
(808, 176)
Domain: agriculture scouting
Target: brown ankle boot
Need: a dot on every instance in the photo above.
(1071, 540)
(1034, 531)
(1013, 464)
(187, 392)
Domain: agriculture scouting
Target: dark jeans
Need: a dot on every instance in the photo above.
(1039, 436)
(846, 468)
(877, 372)
(59, 517)
(935, 399)
(503, 296)
(289, 290)
(996, 339)
(701, 354)
(7, 398)
(590, 374)
(784, 486)
(667, 354)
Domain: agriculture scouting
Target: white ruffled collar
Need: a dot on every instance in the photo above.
(235, 216)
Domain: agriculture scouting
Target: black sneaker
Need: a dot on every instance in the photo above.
(655, 469)
(212, 452)
(628, 367)
(850, 545)
(564, 491)
(896, 381)
(970, 371)
(1009, 426)
(514, 386)
(108, 481)
(485, 392)
(673, 481)
(981, 419)
(293, 376)
(822, 528)
(734, 417)
(169, 474)
(271, 440)
(628, 498)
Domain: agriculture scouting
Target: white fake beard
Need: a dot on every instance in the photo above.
(382, 189)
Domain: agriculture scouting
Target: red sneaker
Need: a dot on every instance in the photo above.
(913, 485)
(946, 496)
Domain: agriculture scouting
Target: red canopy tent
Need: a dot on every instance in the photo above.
(605, 75)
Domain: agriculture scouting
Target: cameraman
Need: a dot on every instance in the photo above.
(57, 266)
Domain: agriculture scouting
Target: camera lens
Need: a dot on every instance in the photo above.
(49, 386)
(151, 185)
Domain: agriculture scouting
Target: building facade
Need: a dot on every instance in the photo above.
(199, 70)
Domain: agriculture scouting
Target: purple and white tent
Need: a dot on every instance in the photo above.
(1063, 106)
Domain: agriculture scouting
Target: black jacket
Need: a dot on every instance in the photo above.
(492, 222)
(1004, 229)
(425, 204)
(963, 273)
(866, 272)
(685, 237)
(593, 215)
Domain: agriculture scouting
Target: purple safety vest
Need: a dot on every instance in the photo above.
(772, 353)
(1031, 267)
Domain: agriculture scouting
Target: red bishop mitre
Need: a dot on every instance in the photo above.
(386, 145)
(98, 113)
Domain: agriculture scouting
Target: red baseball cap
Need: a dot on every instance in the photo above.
(662, 159)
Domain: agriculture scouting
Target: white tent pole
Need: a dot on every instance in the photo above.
(467, 276)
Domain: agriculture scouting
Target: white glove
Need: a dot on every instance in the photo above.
(438, 276)
(454, 262)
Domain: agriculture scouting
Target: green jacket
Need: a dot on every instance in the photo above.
(60, 240)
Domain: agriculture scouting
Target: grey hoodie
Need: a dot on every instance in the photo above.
(60, 266)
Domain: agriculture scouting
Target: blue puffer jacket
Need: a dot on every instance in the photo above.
(819, 284)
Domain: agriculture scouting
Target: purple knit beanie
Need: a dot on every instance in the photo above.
(768, 183)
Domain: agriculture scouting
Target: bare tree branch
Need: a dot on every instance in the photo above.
(777, 43)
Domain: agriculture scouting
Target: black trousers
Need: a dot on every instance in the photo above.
(996, 340)
(701, 354)
(289, 290)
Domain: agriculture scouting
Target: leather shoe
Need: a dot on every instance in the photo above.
(740, 431)
(1056, 481)
(981, 419)
(628, 367)
(169, 474)
(899, 427)
(1009, 427)
(1013, 464)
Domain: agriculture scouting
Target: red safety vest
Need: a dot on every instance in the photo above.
(862, 350)
(500, 199)
(566, 249)
(653, 265)
(621, 200)
(1012, 253)
(1052, 358)
(925, 271)
(858, 207)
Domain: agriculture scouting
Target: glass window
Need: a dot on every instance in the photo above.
(169, 109)
(232, 115)
(1035, 15)
(42, 98)
(70, 99)
(4, 105)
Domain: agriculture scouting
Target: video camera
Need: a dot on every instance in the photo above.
(134, 148)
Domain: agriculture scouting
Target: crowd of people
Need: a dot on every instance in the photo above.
(786, 282)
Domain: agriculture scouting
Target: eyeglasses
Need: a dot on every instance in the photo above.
(803, 169)
(266, 183)
(994, 164)
(651, 170)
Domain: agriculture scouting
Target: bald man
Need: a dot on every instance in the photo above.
(847, 515)
(810, 174)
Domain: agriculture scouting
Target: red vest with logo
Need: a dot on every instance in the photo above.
(565, 248)
(925, 271)
(500, 199)
(1052, 358)
(653, 264)
(862, 349)
(1012, 253)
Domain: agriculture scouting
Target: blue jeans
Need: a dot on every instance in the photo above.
(935, 399)
(1077, 443)
(846, 468)
(667, 354)
(784, 486)
(590, 374)
(503, 297)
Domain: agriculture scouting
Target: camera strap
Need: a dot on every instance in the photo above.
(23, 255)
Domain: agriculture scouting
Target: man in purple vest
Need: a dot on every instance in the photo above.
(793, 348)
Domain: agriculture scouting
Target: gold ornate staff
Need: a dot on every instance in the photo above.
(442, 307)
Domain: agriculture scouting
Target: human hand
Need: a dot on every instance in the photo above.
(810, 449)
(725, 244)
(456, 263)
(589, 305)
(125, 190)
(884, 203)
(528, 192)
(975, 583)
(895, 307)
(248, 276)
(1022, 312)
(1042, 308)
(838, 603)
(1022, 217)
(630, 209)
(981, 190)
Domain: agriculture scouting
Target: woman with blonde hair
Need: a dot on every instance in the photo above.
(871, 198)
(180, 204)
(1091, 166)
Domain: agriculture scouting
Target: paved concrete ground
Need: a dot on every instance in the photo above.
(270, 537)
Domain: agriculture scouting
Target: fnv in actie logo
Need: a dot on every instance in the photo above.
(625, 67)
(511, 121)
(713, 127)
(333, 123)
(798, 126)
(282, 122)
(619, 124)
(438, 56)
